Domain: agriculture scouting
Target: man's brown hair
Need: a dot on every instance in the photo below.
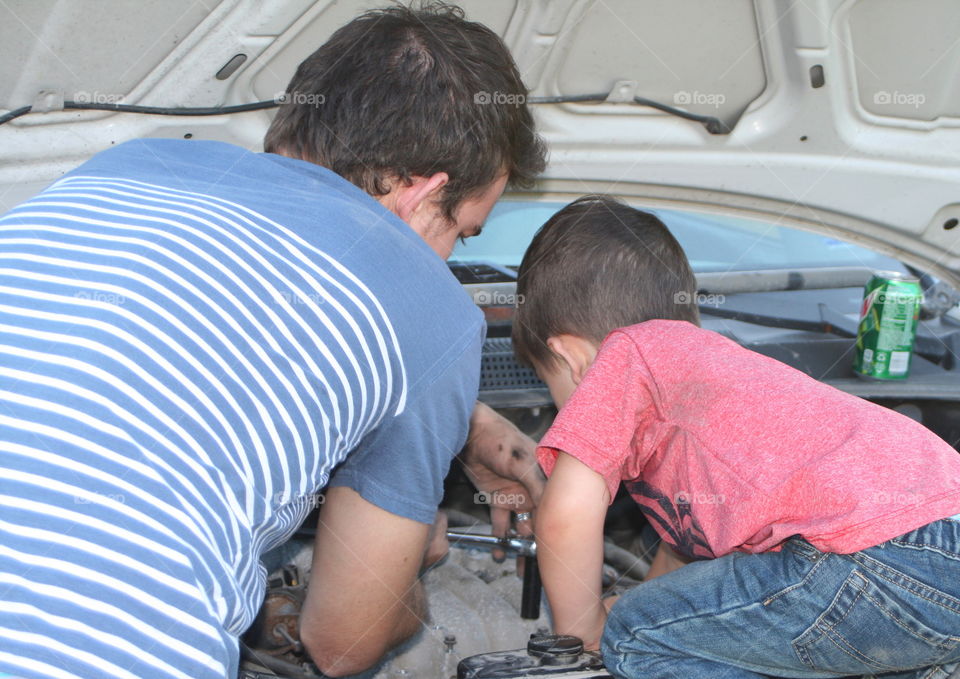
(595, 266)
(402, 92)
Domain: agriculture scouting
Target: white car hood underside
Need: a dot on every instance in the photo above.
(845, 113)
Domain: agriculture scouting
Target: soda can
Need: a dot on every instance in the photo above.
(888, 326)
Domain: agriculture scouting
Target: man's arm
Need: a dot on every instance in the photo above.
(569, 530)
(364, 596)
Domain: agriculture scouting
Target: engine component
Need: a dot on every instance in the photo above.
(547, 655)
(276, 629)
(476, 600)
(474, 604)
(273, 641)
(526, 547)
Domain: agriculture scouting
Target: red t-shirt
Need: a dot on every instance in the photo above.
(725, 449)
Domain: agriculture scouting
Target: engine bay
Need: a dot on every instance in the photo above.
(480, 614)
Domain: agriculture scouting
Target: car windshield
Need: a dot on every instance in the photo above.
(712, 242)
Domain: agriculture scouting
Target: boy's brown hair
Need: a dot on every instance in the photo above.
(595, 266)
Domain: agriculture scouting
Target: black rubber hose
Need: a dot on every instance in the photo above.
(15, 113)
(713, 125)
(625, 561)
(167, 111)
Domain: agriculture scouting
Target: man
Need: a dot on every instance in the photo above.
(195, 339)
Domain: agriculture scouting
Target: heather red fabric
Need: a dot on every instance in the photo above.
(728, 450)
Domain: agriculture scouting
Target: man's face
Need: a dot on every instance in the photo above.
(469, 217)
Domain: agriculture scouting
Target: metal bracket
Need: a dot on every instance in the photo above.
(47, 100)
(623, 92)
(938, 299)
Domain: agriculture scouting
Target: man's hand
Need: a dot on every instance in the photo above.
(501, 461)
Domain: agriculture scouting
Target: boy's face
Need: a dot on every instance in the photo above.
(559, 380)
(572, 356)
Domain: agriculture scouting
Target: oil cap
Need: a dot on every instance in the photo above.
(555, 649)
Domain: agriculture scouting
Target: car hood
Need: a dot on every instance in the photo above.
(839, 116)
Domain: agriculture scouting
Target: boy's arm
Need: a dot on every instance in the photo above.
(569, 530)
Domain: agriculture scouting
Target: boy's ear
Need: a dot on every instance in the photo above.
(576, 352)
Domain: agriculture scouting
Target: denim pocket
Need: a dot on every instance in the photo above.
(866, 628)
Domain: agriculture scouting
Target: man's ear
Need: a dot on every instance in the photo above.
(576, 352)
(410, 197)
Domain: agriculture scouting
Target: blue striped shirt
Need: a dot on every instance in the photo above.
(193, 339)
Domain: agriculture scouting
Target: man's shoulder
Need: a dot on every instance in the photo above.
(303, 198)
(214, 167)
(161, 155)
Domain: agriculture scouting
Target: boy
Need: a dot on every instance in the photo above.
(816, 522)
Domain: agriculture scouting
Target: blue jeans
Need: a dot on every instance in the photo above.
(892, 610)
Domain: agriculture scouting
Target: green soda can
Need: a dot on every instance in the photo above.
(888, 326)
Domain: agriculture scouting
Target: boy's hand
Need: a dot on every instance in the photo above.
(501, 462)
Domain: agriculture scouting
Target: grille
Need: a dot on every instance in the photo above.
(500, 370)
(504, 382)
